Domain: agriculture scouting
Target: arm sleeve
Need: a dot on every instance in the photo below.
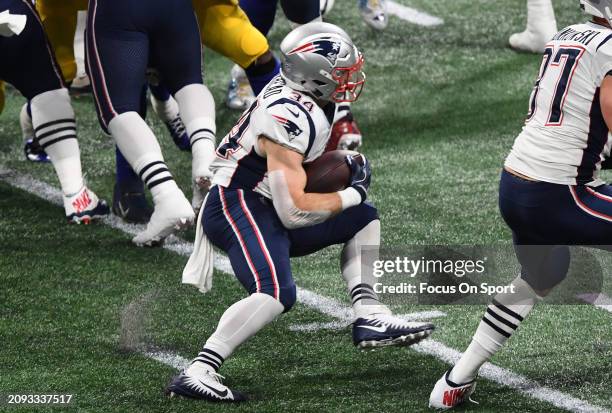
(285, 123)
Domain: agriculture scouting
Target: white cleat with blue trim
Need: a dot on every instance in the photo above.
(381, 330)
(204, 386)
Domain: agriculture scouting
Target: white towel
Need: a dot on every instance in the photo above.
(11, 24)
(199, 269)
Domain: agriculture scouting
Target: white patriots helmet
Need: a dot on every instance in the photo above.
(598, 8)
(320, 59)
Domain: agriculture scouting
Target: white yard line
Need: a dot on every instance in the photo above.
(599, 300)
(324, 305)
(413, 15)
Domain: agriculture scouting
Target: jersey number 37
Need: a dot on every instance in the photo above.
(557, 70)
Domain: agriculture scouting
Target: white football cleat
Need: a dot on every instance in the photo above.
(172, 213)
(201, 176)
(531, 42)
(374, 13)
(200, 187)
(446, 394)
(239, 93)
(84, 206)
(204, 386)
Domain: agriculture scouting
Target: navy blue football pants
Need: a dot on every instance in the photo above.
(125, 37)
(261, 13)
(27, 61)
(245, 225)
(545, 218)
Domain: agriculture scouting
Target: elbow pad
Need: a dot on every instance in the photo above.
(290, 215)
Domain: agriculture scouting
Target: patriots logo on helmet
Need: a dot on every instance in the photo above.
(325, 47)
(291, 127)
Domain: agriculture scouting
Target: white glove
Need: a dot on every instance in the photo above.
(12, 24)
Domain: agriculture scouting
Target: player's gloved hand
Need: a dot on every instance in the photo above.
(361, 174)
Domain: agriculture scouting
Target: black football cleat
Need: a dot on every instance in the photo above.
(34, 152)
(177, 130)
(204, 387)
(131, 206)
(381, 330)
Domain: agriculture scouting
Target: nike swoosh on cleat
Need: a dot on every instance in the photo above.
(123, 212)
(221, 394)
(381, 329)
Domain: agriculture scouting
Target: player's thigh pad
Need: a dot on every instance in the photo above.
(35, 71)
(59, 18)
(117, 59)
(337, 230)
(247, 228)
(225, 28)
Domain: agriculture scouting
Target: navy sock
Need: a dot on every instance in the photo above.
(125, 176)
(160, 91)
(260, 75)
(261, 13)
(301, 12)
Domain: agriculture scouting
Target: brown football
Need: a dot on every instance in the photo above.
(329, 172)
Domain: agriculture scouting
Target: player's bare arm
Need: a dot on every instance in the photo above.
(295, 207)
(605, 100)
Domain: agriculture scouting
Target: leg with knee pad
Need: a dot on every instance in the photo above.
(225, 28)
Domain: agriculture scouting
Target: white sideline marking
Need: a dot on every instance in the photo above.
(325, 306)
(413, 15)
(338, 325)
(169, 359)
(599, 300)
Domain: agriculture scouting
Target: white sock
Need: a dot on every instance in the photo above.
(502, 318)
(55, 130)
(138, 144)
(364, 299)
(79, 43)
(239, 323)
(197, 109)
(541, 17)
(166, 110)
(25, 121)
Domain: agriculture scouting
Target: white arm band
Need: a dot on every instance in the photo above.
(350, 197)
(291, 216)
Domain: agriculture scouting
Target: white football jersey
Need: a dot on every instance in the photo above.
(281, 114)
(565, 138)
